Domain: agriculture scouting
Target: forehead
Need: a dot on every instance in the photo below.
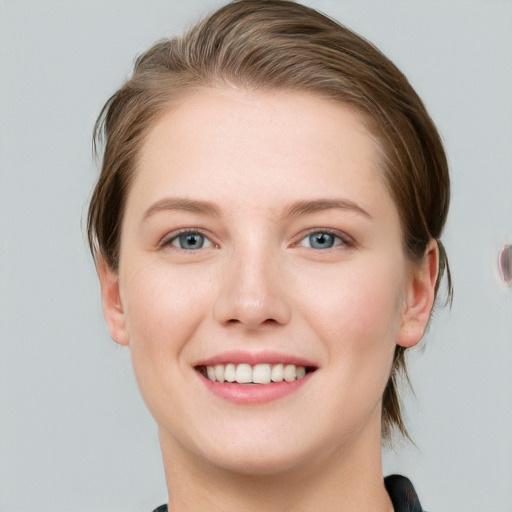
(242, 145)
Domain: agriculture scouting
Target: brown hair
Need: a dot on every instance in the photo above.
(279, 44)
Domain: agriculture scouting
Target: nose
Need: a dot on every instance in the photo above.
(252, 293)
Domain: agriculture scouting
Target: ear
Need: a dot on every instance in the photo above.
(112, 306)
(420, 295)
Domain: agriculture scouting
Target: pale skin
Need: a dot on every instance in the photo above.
(296, 250)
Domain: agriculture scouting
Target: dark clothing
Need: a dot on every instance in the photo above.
(400, 490)
(402, 494)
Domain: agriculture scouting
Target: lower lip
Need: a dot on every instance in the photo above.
(246, 394)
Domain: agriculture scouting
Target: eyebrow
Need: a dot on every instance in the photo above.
(296, 209)
(307, 207)
(182, 204)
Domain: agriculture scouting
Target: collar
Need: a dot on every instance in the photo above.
(402, 494)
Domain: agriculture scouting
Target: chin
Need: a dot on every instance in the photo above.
(259, 460)
(246, 446)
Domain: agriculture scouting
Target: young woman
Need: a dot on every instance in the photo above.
(266, 231)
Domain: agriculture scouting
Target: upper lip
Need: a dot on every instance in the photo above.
(253, 358)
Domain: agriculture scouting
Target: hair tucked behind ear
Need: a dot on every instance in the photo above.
(279, 44)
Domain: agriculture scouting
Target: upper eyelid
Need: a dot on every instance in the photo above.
(169, 237)
(342, 235)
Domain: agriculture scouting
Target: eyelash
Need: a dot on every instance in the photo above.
(340, 239)
(168, 241)
(343, 240)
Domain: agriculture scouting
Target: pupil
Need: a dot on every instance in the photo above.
(321, 241)
(191, 241)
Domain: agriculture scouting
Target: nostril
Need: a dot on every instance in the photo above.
(268, 321)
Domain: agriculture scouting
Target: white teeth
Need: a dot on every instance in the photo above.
(261, 374)
(277, 373)
(257, 374)
(243, 374)
(219, 373)
(230, 372)
(289, 373)
(210, 370)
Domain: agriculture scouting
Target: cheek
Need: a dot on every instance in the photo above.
(354, 314)
(356, 311)
(163, 308)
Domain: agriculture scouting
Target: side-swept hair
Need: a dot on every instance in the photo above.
(280, 44)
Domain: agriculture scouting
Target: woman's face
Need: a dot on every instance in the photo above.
(258, 232)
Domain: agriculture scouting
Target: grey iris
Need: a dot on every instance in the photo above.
(321, 240)
(191, 241)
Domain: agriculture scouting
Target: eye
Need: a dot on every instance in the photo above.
(322, 240)
(189, 241)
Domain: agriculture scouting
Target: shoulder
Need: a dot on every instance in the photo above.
(402, 494)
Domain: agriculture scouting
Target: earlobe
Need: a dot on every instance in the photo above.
(420, 295)
(113, 310)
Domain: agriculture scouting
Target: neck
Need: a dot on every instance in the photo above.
(346, 480)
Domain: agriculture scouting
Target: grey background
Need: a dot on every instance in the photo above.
(74, 434)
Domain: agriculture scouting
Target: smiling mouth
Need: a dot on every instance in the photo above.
(262, 374)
